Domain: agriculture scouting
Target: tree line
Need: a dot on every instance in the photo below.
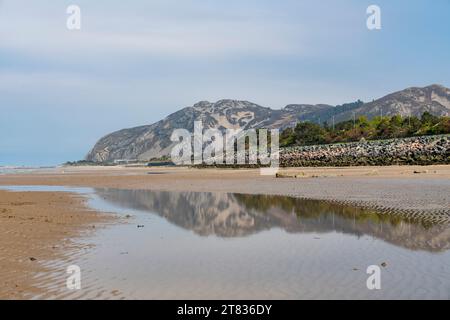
(308, 133)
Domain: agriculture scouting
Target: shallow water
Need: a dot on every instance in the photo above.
(223, 246)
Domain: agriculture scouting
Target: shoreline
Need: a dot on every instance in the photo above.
(37, 230)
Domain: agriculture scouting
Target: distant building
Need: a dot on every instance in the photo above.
(125, 161)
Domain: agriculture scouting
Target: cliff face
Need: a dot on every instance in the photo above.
(153, 141)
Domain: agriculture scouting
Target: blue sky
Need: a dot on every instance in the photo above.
(134, 62)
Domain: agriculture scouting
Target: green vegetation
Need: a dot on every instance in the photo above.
(82, 163)
(160, 159)
(308, 133)
(329, 113)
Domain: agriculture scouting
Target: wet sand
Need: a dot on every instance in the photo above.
(35, 228)
(409, 189)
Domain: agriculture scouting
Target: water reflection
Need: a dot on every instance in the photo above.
(238, 215)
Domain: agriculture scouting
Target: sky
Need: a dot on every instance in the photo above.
(135, 62)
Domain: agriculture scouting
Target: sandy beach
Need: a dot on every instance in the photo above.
(415, 189)
(37, 227)
(40, 226)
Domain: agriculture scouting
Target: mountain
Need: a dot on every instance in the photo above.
(412, 101)
(153, 141)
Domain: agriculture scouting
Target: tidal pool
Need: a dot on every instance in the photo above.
(188, 245)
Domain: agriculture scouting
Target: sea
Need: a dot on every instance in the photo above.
(23, 169)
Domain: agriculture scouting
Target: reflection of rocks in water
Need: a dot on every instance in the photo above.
(234, 215)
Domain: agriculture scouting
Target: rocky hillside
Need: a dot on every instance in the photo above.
(412, 101)
(152, 141)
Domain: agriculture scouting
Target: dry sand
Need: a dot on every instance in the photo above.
(37, 227)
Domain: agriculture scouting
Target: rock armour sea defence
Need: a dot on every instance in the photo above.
(423, 150)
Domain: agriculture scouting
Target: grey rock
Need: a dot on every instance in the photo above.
(415, 150)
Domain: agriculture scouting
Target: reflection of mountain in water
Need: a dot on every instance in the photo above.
(234, 215)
